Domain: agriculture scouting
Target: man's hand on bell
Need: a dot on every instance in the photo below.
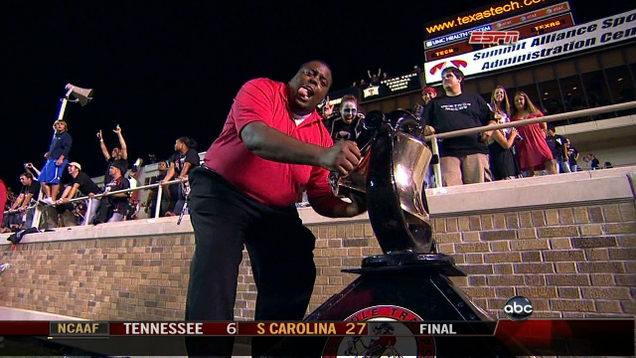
(343, 157)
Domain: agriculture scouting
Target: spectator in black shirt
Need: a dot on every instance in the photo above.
(113, 207)
(151, 200)
(592, 162)
(558, 146)
(375, 77)
(464, 160)
(28, 195)
(185, 159)
(85, 185)
(119, 155)
(573, 157)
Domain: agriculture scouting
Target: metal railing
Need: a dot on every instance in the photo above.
(39, 205)
(550, 118)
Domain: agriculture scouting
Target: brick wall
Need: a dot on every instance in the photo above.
(570, 262)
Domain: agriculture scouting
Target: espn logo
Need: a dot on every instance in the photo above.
(493, 37)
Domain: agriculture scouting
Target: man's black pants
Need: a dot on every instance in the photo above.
(280, 250)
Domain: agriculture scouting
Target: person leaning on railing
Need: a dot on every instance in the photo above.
(182, 162)
(30, 191)
(113, 207)
(84, 184)
(151, 200)
(9, 197)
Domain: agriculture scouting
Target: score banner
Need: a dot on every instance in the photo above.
(571, 337)
(316, 328)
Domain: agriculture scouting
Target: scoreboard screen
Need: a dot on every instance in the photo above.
(537, 22)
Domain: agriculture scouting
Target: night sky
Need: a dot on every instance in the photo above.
(163, 70)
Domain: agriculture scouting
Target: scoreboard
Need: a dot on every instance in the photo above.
(537, 22)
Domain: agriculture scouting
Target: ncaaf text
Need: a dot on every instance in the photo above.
(78, 328)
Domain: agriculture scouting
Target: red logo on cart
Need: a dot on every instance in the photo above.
(387, 336)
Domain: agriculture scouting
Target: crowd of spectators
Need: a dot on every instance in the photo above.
(502, 154)
(52, 191)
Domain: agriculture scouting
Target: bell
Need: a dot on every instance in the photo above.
(82, 95)
(392, 172)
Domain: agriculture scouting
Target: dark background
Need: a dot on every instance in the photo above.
(163, 70)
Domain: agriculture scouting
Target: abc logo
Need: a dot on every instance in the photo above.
(518, 308)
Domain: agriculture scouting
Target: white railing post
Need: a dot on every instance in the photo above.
(437, 168)
(89, 207)
(37, 214)
(158, 202)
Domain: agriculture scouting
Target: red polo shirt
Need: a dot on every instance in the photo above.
(272, 183)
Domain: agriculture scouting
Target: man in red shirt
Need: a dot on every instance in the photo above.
(273, 144)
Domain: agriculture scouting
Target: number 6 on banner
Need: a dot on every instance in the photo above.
(232, 328)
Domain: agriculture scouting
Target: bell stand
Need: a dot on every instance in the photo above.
(401, 277)
(416, 282)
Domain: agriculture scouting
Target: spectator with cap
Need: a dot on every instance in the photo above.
(84, 184)
(428, 94)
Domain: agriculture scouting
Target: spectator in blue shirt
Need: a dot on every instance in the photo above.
(56, 160)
